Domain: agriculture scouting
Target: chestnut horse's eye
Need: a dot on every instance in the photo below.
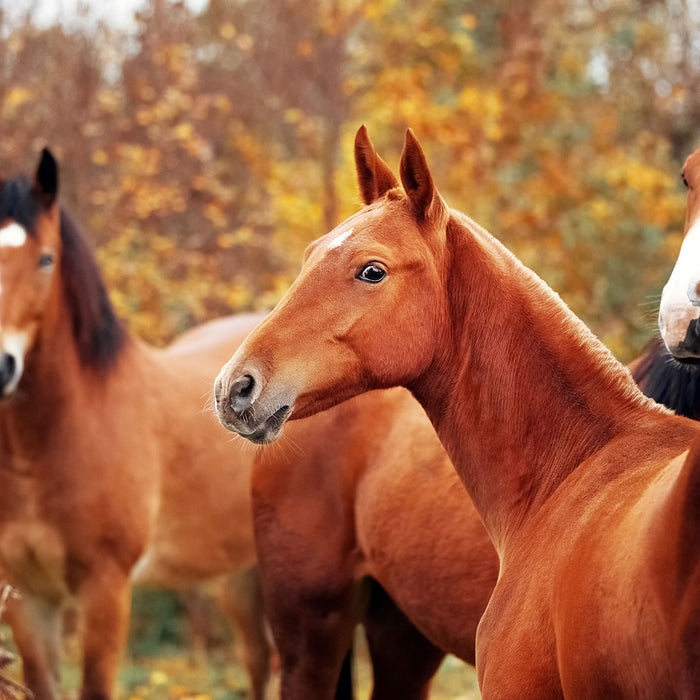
(371, 273)
(685, 182)
(46, 260)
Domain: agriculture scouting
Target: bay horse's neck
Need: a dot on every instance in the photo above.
(51, 381)
(521, 392)
(77, 353)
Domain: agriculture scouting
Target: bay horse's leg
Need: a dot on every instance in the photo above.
(36, 625)
(403, 660)
(105, 596)
(344, 689)
(314, 636)
(242, 603)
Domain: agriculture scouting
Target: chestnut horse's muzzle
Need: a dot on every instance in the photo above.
(242, 409)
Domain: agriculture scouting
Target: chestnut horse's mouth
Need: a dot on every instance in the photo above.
(260, 432)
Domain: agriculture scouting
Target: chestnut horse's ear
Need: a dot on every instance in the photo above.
(373, 174)
(417, 180)
(46, 178)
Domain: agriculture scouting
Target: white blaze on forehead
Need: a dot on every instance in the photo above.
(12, 236)
(340, 238)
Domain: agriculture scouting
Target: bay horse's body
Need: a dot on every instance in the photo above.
(109, 465)
(366, 490)
(587, 488)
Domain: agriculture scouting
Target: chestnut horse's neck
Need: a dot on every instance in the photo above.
(520, 392)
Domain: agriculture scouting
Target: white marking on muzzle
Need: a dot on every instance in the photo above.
(12, 236)
(680, 299)
(14, 343)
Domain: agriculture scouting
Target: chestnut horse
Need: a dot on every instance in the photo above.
(679, 310)
(109, 466)
(365, 489)
(587, 488)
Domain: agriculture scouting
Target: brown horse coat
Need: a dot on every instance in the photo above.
(587, 489)
(108, 458)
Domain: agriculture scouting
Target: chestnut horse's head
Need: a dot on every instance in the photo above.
(29, 249)
(331, 336)
(679, 311)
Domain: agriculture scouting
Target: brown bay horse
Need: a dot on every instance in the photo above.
(587, 488)
(110, 469)
(679, 310)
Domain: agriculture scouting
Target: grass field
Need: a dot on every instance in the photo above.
(159, 666)
(173, 678)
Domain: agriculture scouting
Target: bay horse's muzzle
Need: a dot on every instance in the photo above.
(688, 350)
(8, 368)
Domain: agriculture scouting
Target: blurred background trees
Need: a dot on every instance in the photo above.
(202, 150)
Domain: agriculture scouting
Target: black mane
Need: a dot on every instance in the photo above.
(98, 333)
(667, 381)
(17, 202)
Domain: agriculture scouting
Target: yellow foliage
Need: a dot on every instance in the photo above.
(227, 30)
(293, 116)
(16, 97)
(245, 42)
(100, 157)
(468, 21)
(159, 677)
(215, 213)
(108, 101)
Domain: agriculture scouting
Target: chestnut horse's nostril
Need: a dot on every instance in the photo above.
(241, 393)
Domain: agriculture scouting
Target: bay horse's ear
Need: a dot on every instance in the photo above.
(417, 180)
(46, 178)
(373, 174)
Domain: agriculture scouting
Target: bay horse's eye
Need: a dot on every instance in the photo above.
(371, 273)
(685, 182)
(46, 260)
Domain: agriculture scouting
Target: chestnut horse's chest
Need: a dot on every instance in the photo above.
(592, 623)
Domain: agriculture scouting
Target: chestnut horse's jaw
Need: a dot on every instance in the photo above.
(243, 407)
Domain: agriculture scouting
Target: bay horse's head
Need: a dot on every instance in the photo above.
(679, 311)
(29, 249)
(332, 334)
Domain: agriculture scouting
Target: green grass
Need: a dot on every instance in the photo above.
(160, 665)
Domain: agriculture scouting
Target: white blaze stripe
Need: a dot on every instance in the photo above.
(340, 238)
(12, 236)
(681, 286)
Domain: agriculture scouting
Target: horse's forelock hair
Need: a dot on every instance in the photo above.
(395, 194)
(17, 203)
(98, 333)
